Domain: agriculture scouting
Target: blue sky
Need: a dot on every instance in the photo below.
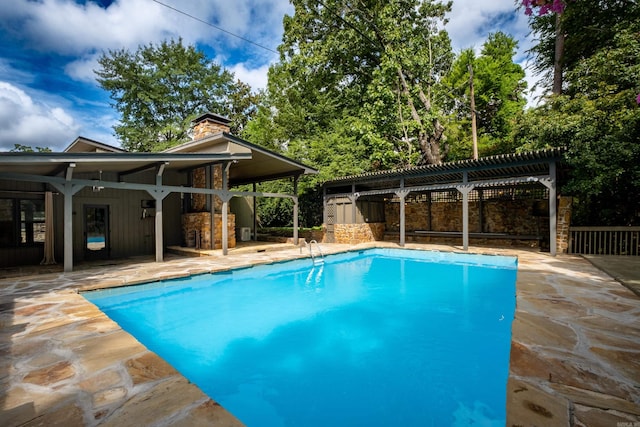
(48, 51)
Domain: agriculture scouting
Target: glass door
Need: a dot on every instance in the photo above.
(96, 231)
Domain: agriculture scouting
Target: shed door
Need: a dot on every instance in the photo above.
(331, 220)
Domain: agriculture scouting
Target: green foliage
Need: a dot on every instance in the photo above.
(19, 148)
(353, 89)
(498, 85)
(588, 26)
(598, 121)
(159, 89)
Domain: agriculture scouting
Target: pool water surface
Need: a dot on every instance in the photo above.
(378, 337)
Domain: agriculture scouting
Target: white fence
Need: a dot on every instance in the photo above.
(604, 240)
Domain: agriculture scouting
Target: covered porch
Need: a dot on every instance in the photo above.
(107, 203)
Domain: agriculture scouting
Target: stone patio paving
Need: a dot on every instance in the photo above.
(575, 355)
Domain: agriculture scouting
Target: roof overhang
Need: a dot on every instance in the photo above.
(264, 164)
(51, 164)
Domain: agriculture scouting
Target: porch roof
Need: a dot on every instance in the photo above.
(52, 164)
(264, 164)
(250, 164)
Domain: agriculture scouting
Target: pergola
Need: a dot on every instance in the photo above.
(519, 170)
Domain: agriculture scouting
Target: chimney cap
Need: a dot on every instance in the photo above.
(216, 118)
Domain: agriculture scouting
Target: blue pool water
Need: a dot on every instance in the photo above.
(376, 338)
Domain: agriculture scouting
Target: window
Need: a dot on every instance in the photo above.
(21, 222)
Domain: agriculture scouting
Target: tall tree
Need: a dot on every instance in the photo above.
(569, 31)
(159, 89)
(361, 71)
(499, 97)
(598, 120)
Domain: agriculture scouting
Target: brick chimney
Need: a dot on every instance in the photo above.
(209, 124)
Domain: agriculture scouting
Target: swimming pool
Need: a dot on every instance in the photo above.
(377, 337)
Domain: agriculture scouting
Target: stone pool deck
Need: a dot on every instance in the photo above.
(575, 355)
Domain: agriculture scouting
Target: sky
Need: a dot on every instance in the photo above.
(49, 49)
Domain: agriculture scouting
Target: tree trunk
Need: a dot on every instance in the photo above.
(557, 59)
(429, 144)
(474, 132)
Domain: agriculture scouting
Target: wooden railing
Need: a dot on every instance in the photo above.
(604, 240)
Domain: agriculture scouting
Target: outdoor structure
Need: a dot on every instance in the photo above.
(506, 199)
(96, 201)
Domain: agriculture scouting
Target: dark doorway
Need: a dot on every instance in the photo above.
(96, 231)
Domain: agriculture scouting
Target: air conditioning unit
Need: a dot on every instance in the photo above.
(245, 234)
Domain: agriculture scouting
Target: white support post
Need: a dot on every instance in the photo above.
(211, 201)
(465, 220)
(68, 227)
(354, 198)
(553, 200)
(255, 215)
(465, 189)
(68, 190)
(225, 231)
(295, 211)
(158, 196)
(225, 208)
(159, 231)
(402, 194)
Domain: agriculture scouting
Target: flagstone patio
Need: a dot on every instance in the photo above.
(575, 355)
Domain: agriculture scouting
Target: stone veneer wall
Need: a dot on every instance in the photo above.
(199, 180)
(208, 127)
(201, 222)
(565, 205)
(199, 201)
(199, 219)
(358, 233)
(499, 216)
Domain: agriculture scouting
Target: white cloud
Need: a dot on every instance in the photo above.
(471, 21)
(68, 28)
(256, 77)
(55, 29)
(28, 122)
(64, 27)
(82, 69)
(534, 92)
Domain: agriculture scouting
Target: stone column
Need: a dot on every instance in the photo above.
(565, 206)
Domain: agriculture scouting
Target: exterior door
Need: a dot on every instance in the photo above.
(96, 231)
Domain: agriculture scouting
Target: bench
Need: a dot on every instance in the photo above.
(413, 235)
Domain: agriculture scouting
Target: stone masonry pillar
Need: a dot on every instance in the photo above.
(565, 204)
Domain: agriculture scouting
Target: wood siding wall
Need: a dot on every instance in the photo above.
(130, 233)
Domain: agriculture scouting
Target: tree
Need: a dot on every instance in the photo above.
(159, 89)
(585, 27)
(363, 72)
(598, 120)
(499, 101)
(545, 7)
(243, 106)
(19, 148)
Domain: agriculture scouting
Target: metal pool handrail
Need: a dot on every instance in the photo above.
(313, 258)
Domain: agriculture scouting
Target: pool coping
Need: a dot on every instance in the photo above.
(574, 353)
